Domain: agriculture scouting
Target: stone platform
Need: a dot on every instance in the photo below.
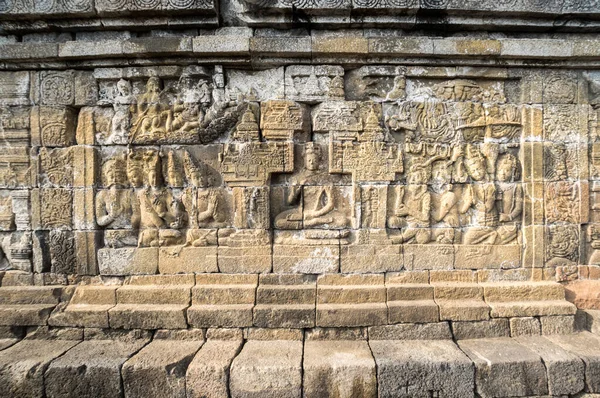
(439, 334)
(407, 360)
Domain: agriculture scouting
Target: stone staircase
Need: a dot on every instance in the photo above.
(291, 335)
(295, 301)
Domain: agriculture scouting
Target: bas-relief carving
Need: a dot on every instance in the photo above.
(443, 170)
(390, 160)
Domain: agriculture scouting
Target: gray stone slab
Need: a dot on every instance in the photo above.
(422, 368)
(587, 347)
(339, 368)
(505, 368)
(92, 369)
(565, 371)
(22, 366)
(266, 369)
(5, 343)
(159, 369)
(208, 373)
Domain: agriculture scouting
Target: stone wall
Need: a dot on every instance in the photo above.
(326, 137)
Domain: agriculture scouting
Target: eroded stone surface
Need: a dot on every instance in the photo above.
(267, 369)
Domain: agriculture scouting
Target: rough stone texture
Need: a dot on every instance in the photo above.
(481, 330)
(91, 368)
(416, 368)
(22, 366)
(505, 368)
(208, 373)
(267, 369)
(586, 346)
(159, 369)
(302, 172)
(338, 369)
(528, 326)
(565, 371)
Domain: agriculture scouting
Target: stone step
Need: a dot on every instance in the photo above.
(23, 365)
(154, 294)
(339, 369)
(25, 314)
(267, 369)
(159, 369)
(221, 315)
(91, 368)
(278, 363)
(287, 300)
(148, 316)
(30, 294)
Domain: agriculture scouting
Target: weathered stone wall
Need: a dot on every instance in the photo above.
(195, 137)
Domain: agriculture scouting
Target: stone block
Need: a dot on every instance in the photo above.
(338, 368)
(148, 316)
(365, 258)
(565, 371)
(174, 260)
(562, 324)
(128, 261)
(102, 361)
(158, 45)
(413, 311)
(525, 326)
(82, 315)
(251, 259)
(339, 46)
(411, 331)
(220, 315)
(505, 368)
(317, 259)
(159, 369)
(400, 46)
(23, 365)
(422, 257)
(587, 347)
(488, 256)
(208, 373)
(285, 301)
(419, 368)
(281, 46)
(585, 294)
(154, 294)
(25, 315)
(221, 45)
(221, 300)
(268, 334)
(481, 330)
(410, 302)
(267, 369)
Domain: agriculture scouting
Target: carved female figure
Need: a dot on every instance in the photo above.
(116, 207)
(510, 197)
(153, 114)
(123, 104)
(480, 196)
(415, 205)
(161, 213)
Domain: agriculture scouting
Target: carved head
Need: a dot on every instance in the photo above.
(475, 164)
(312, 156)
(441, 172)
(153, 85)
(114, 172)
(153, 168)
(419, 171)
(123, 87)
(135, 170)
(507, 169)
(185, 82)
